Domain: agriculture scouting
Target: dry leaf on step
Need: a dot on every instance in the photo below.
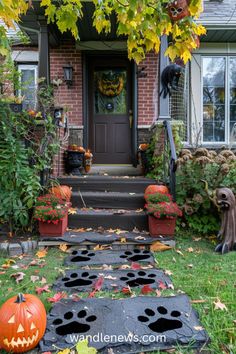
(63, 247)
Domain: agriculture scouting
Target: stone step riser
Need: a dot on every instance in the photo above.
(125, 221)
(107, 200)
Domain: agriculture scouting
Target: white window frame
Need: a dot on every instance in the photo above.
(33, 67)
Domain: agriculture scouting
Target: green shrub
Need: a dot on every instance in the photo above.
(217, 170)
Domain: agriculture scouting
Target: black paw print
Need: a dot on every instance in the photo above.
(72, 323)
(136, 255)
(82, 256)
(140, 278)
(75, 279)
(162, 324)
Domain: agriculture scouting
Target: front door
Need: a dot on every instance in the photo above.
(110, 114)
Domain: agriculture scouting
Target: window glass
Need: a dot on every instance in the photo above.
(232, 79)
(28, 85)
(214, 126)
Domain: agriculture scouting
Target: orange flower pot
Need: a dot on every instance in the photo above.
(161, 227)
(51, 229)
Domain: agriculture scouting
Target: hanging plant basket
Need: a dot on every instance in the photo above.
(161, 227)
(53, 230)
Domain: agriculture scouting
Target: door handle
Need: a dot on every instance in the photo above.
(130, 119)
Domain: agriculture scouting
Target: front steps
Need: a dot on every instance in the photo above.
(108, 202)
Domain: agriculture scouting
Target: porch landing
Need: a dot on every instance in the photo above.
(115, 170)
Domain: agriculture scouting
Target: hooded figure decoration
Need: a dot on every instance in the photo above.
(227, 203)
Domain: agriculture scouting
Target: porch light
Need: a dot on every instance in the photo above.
(68, 74)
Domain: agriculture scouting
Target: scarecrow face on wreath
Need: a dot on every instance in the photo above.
(110, 84)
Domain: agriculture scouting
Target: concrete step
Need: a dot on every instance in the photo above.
(108, 200)
(107, 183)
(109, 218)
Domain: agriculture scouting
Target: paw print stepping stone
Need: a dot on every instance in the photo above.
(81, 280)
(80, 258)
(131, 325)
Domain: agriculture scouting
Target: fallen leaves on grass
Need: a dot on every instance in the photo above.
(18, 276)
(42, 253)
(43, 289)
(190, 250)
(159, 247)
(180, 253)
(197, 239)
(146, 289)
(168, 272)
(220, 306)
(8, 263)
(200, 301)
(57, 297)
(34, 278)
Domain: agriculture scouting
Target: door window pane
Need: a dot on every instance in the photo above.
(232, 79)
(214, 99)
(110, 95)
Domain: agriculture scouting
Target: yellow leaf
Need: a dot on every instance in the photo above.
(186, 55)
(65, 351)
(42, 253)
(123, 240)
(159, 247)
(172, 52)
(200, 30)
(72, 211)
(63, 247)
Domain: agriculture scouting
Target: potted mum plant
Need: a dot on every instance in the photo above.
(52, 215)
(162, 214)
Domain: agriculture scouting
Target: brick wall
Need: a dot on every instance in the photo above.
(146, 88)
(69, 97)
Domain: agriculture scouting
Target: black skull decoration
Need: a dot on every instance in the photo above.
(178, 9)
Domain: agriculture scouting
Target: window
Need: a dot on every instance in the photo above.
(218, 98)
(28, 85)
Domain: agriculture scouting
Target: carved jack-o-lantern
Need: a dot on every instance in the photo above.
(22, 323)
(178, 9)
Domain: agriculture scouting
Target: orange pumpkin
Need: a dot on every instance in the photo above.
(155, 188)
(80, 149)
(23, 322)
(63, 192)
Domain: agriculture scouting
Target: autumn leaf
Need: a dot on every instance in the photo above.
(198, 328)
(102, 247)
(42, 253)
(118, 232)
(18, 276)
(180, 253)
(63, 247)
(126, 290)
(168, 272)
(190, 250)
(97, 286)
(83, 348)
(57, 297)
(8, 263)
(72, 211)
(123, 240)
(220, 306)
(43, 289)
(135, 266)
(159, 247)
(43, 281)
(146, 289)
(198, 301)
(64, 351)
(34, 278)
(161, 285)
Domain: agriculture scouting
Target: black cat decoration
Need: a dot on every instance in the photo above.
(170, 79)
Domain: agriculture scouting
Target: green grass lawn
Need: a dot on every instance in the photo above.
(196, 270)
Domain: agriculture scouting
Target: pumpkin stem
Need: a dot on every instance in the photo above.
(20, 298)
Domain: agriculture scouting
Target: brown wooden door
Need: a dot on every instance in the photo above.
(110, 115)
